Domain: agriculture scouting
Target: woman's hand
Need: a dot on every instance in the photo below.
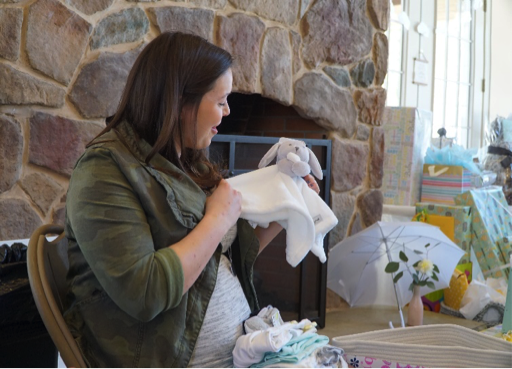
(224, 203)
(222, 209)
(310, 180)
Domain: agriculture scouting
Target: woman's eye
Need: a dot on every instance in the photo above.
(222, 104)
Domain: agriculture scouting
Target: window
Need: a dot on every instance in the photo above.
(395, 33)
(453, 69)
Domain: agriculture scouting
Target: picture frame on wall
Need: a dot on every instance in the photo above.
(420, 72)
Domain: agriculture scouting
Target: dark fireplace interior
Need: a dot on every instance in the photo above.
(297, 292)
(254, 115)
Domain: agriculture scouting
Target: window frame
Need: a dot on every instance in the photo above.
(478, 95)
(461, 130)
(403, 59)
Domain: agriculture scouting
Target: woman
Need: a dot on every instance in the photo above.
(146, 214)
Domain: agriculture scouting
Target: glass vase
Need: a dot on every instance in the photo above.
(415, 312)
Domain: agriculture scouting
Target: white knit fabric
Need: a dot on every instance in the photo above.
(229, 238)
(226, 312)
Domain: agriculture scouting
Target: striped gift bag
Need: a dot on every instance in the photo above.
(441, 183)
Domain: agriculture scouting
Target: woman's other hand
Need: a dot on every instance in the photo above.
(311, 181)
(225, 203)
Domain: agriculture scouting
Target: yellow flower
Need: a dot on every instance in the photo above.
(425, 266)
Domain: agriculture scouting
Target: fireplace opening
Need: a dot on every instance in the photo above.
(255, 115)
(253, 126)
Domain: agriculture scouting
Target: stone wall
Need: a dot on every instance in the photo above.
(63, 65)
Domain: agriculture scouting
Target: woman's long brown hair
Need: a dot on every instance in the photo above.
(174, 70)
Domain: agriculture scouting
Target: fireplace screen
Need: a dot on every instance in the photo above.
(297, 292)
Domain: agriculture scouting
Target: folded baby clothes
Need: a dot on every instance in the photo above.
(296, 350)
(324, 357)
(285, 340)
(251, 348)
(266, 318)
(270, 342)
(269, 195)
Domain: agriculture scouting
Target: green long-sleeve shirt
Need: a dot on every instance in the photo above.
(126, 285)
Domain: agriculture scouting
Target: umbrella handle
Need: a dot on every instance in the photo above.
(398, 301)
(401, 317)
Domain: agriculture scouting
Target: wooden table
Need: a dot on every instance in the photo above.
(347, 320)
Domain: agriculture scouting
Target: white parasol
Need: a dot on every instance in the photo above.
(356, 265)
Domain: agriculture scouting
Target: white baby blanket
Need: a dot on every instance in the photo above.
(269, 195)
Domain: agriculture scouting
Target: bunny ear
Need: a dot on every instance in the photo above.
(269, 156)
(316, 169)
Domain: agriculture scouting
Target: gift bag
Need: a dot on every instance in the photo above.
(454, 221)
(441, 183)
(491, 229)
(432, 346)
(407, 132)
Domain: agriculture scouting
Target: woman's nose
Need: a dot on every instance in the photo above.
(226, 110)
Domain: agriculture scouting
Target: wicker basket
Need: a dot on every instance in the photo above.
(434, 346)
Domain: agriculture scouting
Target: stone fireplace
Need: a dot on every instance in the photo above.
(63, 64)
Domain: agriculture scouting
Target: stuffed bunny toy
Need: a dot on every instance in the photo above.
(293, 158)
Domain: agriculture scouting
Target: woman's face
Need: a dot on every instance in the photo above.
(213, 106)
